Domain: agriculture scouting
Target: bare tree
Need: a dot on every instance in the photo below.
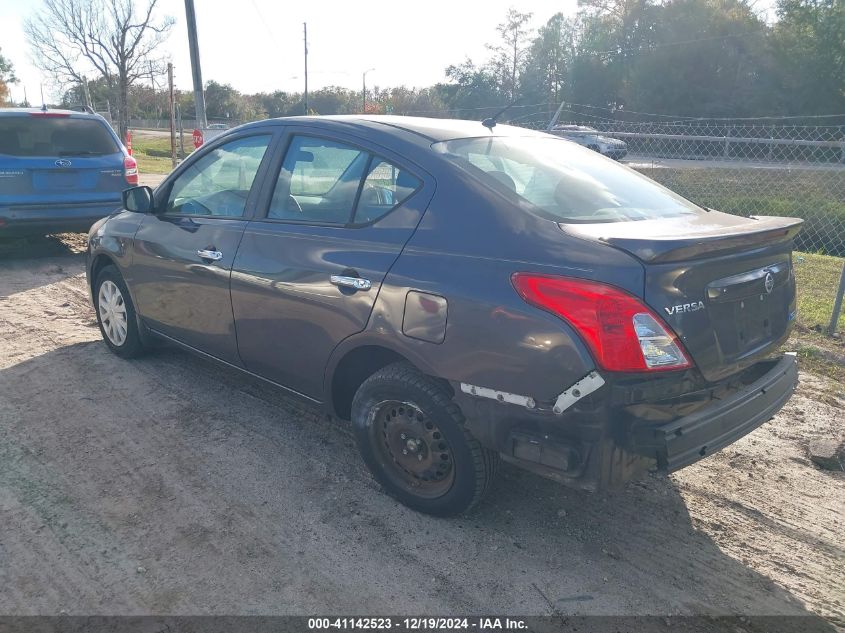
(115, 38)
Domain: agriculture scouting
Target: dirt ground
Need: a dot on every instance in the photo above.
(168, 485)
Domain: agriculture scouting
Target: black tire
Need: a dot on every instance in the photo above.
(397, 397)
(131, 346)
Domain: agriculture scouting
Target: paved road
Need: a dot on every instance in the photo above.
(151, 180)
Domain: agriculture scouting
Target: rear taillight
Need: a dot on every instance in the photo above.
(622, 333)
(130, 170)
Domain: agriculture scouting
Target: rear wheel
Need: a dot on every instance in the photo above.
(413, 439)
(116, 314)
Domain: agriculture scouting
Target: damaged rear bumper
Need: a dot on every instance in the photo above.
(693, 437)
(626, 427)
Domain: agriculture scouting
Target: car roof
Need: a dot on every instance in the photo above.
(432, 129)
(57, 111)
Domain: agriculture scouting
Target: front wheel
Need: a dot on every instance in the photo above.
(116, 314)
(413, 439)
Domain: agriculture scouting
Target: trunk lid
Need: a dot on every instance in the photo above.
(723, 283)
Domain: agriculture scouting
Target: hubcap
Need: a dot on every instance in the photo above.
(112, 312)
(414, 451)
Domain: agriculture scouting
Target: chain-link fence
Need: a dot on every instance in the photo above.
(794, 171)
(759, 169)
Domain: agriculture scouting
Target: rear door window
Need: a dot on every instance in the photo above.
(31, 136)
(318, 182)
(329, 182)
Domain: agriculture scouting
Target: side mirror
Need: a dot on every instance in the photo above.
(138, 199)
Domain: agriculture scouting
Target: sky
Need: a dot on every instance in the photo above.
(256, 45)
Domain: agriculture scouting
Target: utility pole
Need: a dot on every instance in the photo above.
(556, 116)
(86, 92)
(172, 116)
(305, 41)
(364, 91)
(196, 72)
(837, 304)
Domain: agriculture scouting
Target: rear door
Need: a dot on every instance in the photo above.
(183, 255)
(336, 216)
(48, 157)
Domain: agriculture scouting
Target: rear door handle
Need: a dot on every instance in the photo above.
(212, 255)
(356, 283)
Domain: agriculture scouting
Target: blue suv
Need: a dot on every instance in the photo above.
(59, 171)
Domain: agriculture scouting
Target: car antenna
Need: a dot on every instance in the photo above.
(490, 122)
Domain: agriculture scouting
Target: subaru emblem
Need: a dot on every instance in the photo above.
(770, 283)
(63, 162)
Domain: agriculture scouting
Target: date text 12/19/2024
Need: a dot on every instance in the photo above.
(417, 624)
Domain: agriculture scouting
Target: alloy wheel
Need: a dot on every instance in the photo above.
(112, 309)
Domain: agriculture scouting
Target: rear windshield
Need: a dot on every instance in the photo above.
(54, 136)
(563, 181)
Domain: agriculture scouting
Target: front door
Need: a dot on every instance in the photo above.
(183, 254)
(307, 275)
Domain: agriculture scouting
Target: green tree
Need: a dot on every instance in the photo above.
(472, 91)
(7, 76)
(510, 54)
(702, 59)
(547, 74)
(809, 46)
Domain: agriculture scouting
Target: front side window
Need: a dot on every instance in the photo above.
(218, 184)
(564, 182)
(318, 182)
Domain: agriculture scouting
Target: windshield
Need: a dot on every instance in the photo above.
(54, 136)
(563, 181)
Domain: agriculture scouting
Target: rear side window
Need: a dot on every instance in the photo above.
(327, 182)
(26, 136)
(385, 186)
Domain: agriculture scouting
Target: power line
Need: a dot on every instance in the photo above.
(649, 47)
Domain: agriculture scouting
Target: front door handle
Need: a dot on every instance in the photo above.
(356, 283)
(208, 254)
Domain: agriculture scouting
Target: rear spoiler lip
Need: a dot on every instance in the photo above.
(756, 230)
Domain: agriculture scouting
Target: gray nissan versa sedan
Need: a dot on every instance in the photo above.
(462, 294)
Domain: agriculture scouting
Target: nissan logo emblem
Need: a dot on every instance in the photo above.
(770, 283)
(63, 162)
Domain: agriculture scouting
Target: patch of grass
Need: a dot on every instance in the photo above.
(817, 196)
(153, 153)
(820, 356)
(817, 277)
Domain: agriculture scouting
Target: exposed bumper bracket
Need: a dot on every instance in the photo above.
(584, 387)
(500, 396)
